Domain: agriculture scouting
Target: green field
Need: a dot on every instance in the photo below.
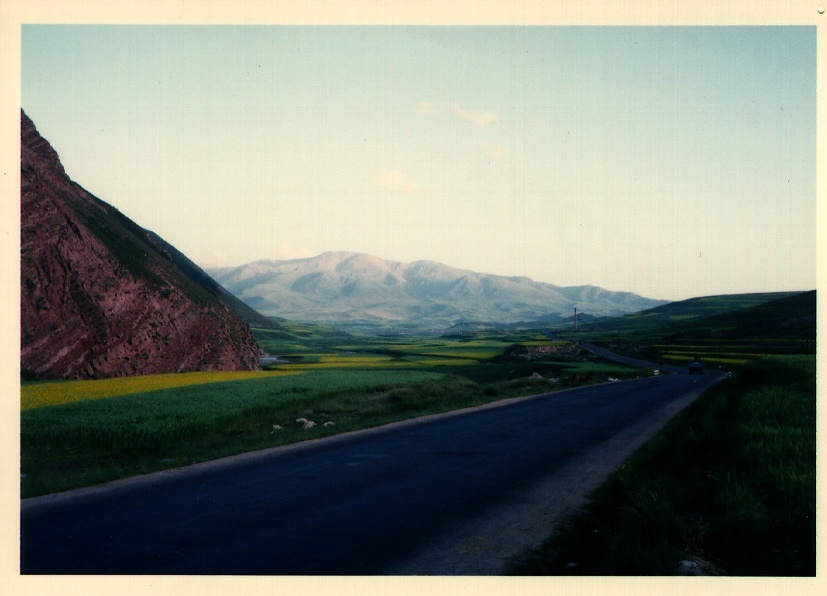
(42, 394)
(78, 433)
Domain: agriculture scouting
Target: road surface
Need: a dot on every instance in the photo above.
(387, 501)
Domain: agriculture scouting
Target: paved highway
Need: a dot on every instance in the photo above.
(359, 504)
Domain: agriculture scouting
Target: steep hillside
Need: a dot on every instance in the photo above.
(200, 277)
(100, 296)
(343, 287)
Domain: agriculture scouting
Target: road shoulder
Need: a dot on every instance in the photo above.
(490, 544)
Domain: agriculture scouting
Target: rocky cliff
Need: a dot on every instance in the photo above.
(101, 297)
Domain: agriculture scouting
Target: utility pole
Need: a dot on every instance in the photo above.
(575, 318)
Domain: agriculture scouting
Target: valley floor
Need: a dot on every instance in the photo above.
(359, 504)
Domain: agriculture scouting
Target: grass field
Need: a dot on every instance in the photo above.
(78, 433)
(729, 486)
(100, 439)
(42, 394)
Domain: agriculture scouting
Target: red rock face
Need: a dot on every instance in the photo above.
(100, 297)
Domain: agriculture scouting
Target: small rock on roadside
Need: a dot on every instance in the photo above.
(695, 567)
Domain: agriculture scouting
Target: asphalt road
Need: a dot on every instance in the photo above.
(361, 504)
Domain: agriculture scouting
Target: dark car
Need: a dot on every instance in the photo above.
(696, 367)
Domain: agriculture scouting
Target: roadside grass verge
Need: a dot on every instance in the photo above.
(728, 486)
(97, 440)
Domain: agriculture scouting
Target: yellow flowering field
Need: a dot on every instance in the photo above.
(342, 361)
(40, 395)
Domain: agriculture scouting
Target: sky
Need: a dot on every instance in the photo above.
(671, 162)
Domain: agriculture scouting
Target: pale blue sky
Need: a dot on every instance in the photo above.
(671, 162)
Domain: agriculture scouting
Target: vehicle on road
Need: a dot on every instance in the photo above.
(696, 367)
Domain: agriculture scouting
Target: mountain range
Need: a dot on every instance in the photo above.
(100, 296)
(342, 288)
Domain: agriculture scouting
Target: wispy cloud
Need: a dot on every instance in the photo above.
(478, 118)
(394, 180)
(430, 108)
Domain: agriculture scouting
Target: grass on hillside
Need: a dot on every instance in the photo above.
(729, 487)
(689, 312)
(776, 323)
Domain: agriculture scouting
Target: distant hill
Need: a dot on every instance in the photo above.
(769, 315)
(100, 296)
(783, 317)
(347, 288)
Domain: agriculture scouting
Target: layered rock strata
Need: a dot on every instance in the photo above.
(101, 296)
